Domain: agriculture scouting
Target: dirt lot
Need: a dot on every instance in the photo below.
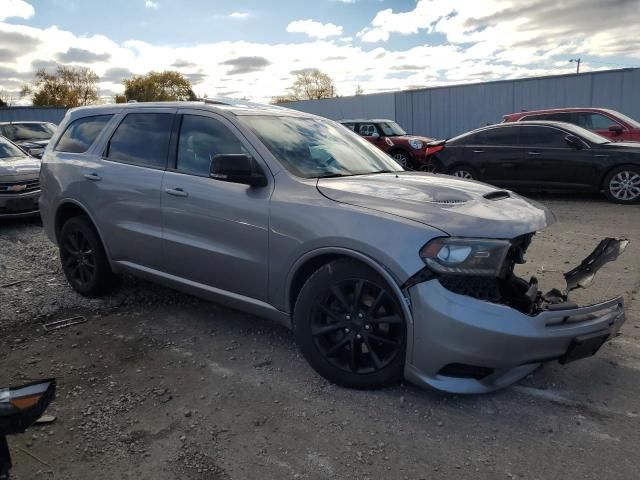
(160, 385)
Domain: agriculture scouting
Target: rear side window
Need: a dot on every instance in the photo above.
(201, 139)
(503, 137)
(350, 126)
(81, 133)
(142, 139)
(544, 137)
(367, 130)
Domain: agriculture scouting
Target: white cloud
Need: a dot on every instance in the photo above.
(15, 9)
(314, 29)
(151, 4)
(239, 15)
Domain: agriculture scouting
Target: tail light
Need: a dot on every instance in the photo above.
(434, 149)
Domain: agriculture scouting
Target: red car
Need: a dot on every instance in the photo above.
(410, 151)
(608, 123)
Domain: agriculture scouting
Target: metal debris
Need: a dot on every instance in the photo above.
(67, 322)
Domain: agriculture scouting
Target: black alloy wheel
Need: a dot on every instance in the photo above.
(354, 330)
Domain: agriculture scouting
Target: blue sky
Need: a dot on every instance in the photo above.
(254, 48)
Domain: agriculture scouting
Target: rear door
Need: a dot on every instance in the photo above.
(215, 233)
(123, 186)
(496, 154)
(551, 162)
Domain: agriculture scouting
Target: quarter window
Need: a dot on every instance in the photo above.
(81, 133)
(201, 139)
(141, 139)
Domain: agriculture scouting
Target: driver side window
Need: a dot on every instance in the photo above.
(368, 130)
(202, 138)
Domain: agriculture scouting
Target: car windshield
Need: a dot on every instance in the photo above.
(586, 134)
(392, 129)
(8, 150)
(312, 148)
(633, 123)
(29, 131)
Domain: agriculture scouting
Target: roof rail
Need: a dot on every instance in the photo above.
(234, 102)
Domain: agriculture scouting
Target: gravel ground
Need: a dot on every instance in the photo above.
(161, 385)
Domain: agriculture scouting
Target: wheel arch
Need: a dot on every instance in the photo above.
(306, 265)
(606, 173)
(70, 208)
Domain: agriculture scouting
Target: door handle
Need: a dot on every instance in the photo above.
(176, 192)
(478, 151)
(600, 155)
(533, 153)
(94, 177)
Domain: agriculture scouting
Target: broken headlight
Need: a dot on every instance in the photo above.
(465, 256)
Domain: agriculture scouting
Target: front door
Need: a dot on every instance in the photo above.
(550, 161)
(214, 233)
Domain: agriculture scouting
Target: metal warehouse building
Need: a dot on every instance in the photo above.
(443, 112)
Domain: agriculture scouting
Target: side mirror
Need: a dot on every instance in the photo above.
(617, 129)
(574, 141)
(237, 168)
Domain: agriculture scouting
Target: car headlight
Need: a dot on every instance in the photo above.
(415, 143)
(465, 256)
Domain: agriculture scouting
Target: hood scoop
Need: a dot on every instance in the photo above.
(497, 195)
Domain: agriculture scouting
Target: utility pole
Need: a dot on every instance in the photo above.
(578, 61)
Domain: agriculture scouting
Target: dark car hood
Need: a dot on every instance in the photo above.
(457, 207)
(623, 146)
(32, 143)
(19, 166)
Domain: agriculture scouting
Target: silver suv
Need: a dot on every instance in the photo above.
(380, 273)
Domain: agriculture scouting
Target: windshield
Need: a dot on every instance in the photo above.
(633, 123)
(392, 129)
(29, 131)
(586, 134)
(8, 150)
(312, 148)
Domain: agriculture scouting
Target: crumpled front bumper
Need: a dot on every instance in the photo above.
(452, 329)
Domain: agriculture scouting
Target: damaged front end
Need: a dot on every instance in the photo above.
(503, 286)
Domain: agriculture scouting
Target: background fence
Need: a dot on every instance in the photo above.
(442, 112)
(40, 114)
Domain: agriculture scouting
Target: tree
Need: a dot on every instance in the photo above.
(3, 103)
(66, 87)
(157, 87)
(359, 90)
(311, 84)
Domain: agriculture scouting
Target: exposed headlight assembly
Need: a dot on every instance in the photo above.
(415, 143)
(465, 256)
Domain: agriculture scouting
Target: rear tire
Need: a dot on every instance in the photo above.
(84, 261)
(350, 326)
(464, 171)
(622, 185)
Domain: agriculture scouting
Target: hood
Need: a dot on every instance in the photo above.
(19, 166)
(458, 207)
(625, 146)
(32, 143)
(406, 138)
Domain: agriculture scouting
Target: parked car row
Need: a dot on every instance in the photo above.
(21, 146)
(547, 150)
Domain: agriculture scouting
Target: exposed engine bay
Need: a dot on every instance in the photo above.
(525, 296)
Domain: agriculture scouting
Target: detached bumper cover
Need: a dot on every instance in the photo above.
(449, 328)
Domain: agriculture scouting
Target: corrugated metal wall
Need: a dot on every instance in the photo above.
(39, 114)
(381, 105)
(442, 112)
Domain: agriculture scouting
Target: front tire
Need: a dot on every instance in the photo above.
(84, 260)
(403, 158)
(622, 185)
(350, 327)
